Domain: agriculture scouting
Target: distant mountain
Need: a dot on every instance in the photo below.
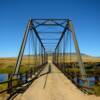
(83, 54)
(72, 54)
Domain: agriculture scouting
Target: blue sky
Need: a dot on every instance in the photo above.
(14, 15)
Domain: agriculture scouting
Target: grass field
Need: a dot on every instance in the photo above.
(7, 65)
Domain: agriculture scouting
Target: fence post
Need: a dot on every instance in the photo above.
(20, 79)
(26, 77)
(31, 72)
(9, 83)
(96, 79)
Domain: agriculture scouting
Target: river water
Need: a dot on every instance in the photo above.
(3, 77)
(91, 80)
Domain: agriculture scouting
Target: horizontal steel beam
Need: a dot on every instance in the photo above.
(49, 39)
(48, 43)
(50, 25)
(49, 32)
(50, 19)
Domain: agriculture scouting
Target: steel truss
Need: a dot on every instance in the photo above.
(65, 24)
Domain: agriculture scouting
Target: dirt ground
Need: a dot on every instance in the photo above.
(54, 86)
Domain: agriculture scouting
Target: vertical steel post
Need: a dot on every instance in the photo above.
(81, 65)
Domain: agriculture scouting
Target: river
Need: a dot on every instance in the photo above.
(3, 77)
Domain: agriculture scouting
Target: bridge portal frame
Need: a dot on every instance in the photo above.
(66, 24)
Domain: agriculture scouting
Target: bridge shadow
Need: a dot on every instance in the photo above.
(49, 71)
(21, 90)
(45, 81)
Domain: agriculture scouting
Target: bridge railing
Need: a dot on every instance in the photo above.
(92, 80)
(32, 54)
(19, 82)
(65, 55)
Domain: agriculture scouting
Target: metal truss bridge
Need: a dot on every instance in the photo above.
(46, 41)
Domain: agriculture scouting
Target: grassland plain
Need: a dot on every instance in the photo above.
(7, 65)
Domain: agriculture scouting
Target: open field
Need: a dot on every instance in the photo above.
(7, 65)
(73, 58)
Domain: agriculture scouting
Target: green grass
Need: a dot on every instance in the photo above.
(97, 90)
(7, 65)
(8, 70)
(3, 86)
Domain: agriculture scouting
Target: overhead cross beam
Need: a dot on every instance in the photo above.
(49, 22)
(56, 32)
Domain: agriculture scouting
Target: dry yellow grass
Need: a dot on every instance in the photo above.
(9, 63)
(74, 59)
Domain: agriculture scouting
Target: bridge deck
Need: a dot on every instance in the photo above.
(53, 86)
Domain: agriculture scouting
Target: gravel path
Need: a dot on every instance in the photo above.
(53, 85)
